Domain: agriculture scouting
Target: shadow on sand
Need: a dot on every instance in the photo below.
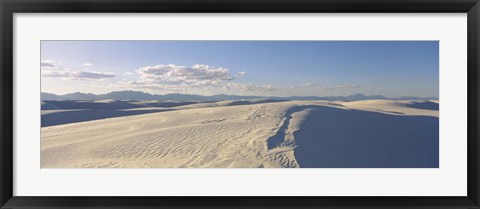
(74, 116)
(337, 138)
(424, 105)
(73, 111)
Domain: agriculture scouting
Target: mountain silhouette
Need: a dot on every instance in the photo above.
(139, 95)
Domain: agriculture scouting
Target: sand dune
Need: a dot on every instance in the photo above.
(428, 105)
(364, 139)
(58, 117)
(371, 133)
(73, 111)
(407, 107)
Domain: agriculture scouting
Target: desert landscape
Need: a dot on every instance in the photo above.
(239, 104)
(260, 133)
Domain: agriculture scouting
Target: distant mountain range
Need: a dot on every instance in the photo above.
(138, 95)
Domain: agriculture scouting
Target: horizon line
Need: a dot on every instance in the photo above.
(245, 95)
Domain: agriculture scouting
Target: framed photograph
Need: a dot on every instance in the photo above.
(239, 104)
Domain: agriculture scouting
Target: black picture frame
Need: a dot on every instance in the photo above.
(9, 7)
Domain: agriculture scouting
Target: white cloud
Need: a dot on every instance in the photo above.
(240, 75)
(248, 87)
(78, 75)
(339, 87)
(173, 77)
(266, 87)
(47, 63)
(335, 87)
(154, 86)
(307, 84)
(193, 74)
(197, 77)
(88, 64)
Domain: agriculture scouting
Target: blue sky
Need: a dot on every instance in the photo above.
(267, 68)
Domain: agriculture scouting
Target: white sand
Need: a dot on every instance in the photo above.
(373, 133)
